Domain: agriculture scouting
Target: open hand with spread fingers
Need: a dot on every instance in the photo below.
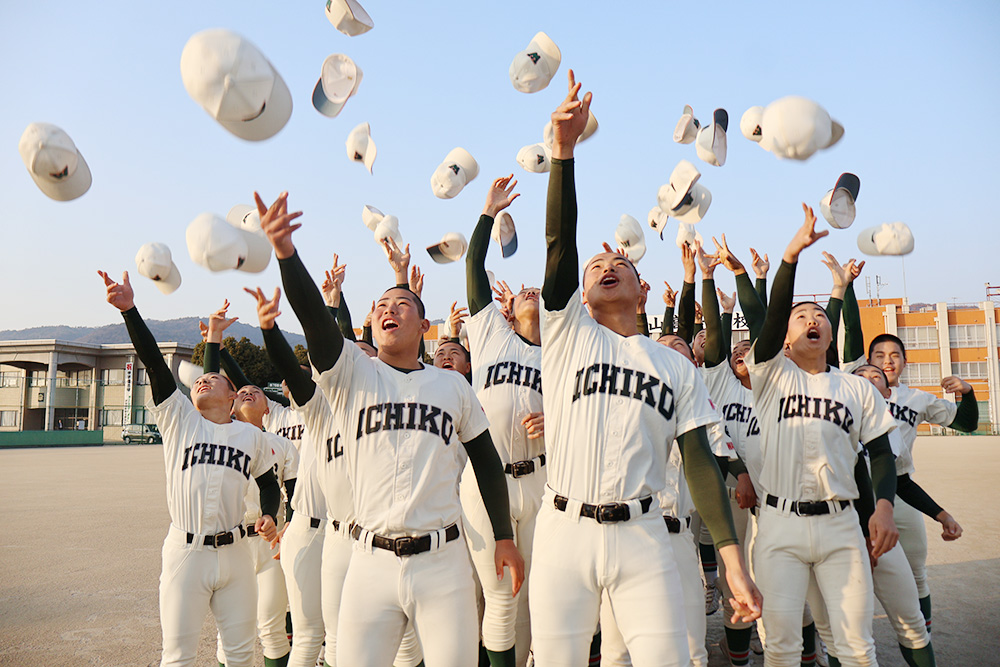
(119, 295)
(267, 311)
(276, 222)
(569, 120)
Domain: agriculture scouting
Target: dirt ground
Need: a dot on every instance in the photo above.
(81, 536)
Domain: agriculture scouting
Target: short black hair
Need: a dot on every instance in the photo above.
(866, 365)
(886, 338)
(669, 335)
(804, 303)
(420, 304)
(468, 355)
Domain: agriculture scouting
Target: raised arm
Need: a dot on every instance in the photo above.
(753, 308)
(500, 195)
(772, 335)
(299, 384)
(761, 266)
(685, 315)
(669, 298)
(715, 353)
(121, 296)
(217, 325)
(854, 337)
(641, 321)
(562, 264)
(323, 338)
(728, 303)
(967, 416)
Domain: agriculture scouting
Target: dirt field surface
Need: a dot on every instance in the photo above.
(81, 537)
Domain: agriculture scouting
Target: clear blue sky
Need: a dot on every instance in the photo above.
(915, 84)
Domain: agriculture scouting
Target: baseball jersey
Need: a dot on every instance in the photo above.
(209, 466)
(613, 407)
(285, 422)
(331, 464)
(910, 407)
(507, 377)
(286, 465)
(402, 435)
(736, 406)
(812, 427)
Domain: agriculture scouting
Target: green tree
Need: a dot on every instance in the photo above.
(253, 360)
(302, 354)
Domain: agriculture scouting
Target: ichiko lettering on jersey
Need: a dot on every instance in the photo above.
(618, 381)
(903, 414)
(333, 448)
(406, 417)
(291, 432)
(826, 409)
(511, 372)
(220, 455)
(737, 412)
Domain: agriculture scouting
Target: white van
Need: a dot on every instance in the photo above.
(147, 433)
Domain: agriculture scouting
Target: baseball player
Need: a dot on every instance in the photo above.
(614, 402)
(251, 406)
(401, 424)
(507, 378)
(210, 460)
(910, 407)
(812, 418)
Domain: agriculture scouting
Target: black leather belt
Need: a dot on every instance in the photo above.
(808, 507)
(406, 546)
(219, 539)
(314, 522)
(674, 524)
(251, 530)
(607, 513)
(522, 468)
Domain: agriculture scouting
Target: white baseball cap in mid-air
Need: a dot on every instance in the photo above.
(686, 234)
(388, 228)
(450, 249)
(233, 81)
(348, 17)
(889, 238)
(154, 262)
(837, 205)
(505, 234)
(687, 127)
(711, 142)
(246, 217)
(219, 245)
(339, 80)
(695, 206)
(682, 179)
(532, 69)
(658, 220)
(458, 170)
(536, 158)
(371, 216)
(54, 162)
(187, 373)
(792, 127)
(629, 237)
(548, 134)
(361, 147)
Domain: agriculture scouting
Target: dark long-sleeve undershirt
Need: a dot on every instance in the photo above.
(760, 286)
(833, 309)
(366, 335)
(300, 385)
(667, 328)
(289, 493)
(343, 317)
(883, 467)
(967, 417)
(715, 353)
(161, 379)
(642, 324)
(915, 496)
(323, 337)
(708, 491)
(562, 262)
(492, 483)
(477, 282)
(685, 318)
(270, 494)
(865, 504)
(727, 334)
(772, 334)
(754, 309)
(854, 339)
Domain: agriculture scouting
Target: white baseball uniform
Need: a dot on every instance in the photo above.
(910, 407)
(507, 378)
(272, 598)
(613, 407)
(403, 435)
(302, 543)
(209, 468)
(337, 543)
(812, 427)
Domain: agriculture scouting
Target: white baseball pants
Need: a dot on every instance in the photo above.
(913, 539)
(196, 578)
(302, 563)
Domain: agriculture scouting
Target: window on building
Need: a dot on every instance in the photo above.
(969, 370)
(111, 417)
(918, 338)
(8, 418)
(140, 378)
(10, 379)
(141, 416)
(113, 376)
(967, 335)
(921, 375)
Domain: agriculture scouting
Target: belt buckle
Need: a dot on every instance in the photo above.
(611, 513)
(521, 468)
(218, 539)
(808, 507)
(403, 546)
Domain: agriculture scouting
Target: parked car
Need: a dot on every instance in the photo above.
(147, 433)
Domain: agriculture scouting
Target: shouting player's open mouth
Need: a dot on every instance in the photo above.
(812, 333)
(389, 324)
(609, 280)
